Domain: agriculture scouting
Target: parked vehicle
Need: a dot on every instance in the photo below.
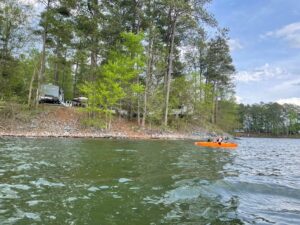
(51, 94)
(80, 102)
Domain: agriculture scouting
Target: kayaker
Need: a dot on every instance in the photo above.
(219, 140)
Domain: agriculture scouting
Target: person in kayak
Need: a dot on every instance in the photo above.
(219, 140)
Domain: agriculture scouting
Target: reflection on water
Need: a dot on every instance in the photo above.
(82, 181)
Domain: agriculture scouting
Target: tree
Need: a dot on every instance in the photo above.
(270, 118)
(116, 76)
(59, 36)
(219, 71)
(43, 32)
(13, 25)
(180, 12)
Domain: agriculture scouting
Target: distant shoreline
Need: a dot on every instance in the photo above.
(252, 135)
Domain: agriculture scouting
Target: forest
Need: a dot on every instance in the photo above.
(156, 60)
(145, 57)
(270, 119)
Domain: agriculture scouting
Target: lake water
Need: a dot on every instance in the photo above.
(85, 181)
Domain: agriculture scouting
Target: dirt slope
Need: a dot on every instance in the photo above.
(58, 121)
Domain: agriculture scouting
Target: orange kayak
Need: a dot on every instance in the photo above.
(216, 144)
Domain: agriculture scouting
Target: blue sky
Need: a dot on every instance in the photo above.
(265, 43)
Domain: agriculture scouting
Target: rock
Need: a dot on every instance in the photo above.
(67, 129)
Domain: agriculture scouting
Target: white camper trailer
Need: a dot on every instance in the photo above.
(51, 94)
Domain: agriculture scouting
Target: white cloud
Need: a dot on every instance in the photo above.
(290, 33)
(292, 84)
(235, 44)
(294, 101)
(260, 73)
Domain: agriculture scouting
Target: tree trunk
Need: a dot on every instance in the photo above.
(42, 63)
(93, 64)
(216, 109)
(200, 78)
(137, 22)
(41, 69)
(148, 75)
(56, 73)
(30, 87)
(56, 77)
(64, 73)
(214, 104)
(131, 108)
(109, 122)
(75, 80)
(195, 87)
(169, 71)
(138, 104)
(137, 15)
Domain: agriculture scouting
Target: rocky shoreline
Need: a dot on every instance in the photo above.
(62, 122)
(104, 135)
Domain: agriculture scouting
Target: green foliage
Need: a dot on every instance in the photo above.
(154, 104)
(13, 21)
(270, 118)
(228, 115)
(181, 92)
(115, 76)
(117, 54)
(137, 88)
(219, 62)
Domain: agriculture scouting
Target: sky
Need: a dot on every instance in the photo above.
(265, 45)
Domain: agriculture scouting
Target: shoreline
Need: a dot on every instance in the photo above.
(252, 135)
(57, 122)
(102, 135)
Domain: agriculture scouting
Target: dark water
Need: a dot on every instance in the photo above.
(77, 181)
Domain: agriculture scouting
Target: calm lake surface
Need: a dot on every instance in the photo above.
(85, 181)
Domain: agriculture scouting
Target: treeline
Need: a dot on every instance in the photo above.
(144, 57)
(270, 118)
